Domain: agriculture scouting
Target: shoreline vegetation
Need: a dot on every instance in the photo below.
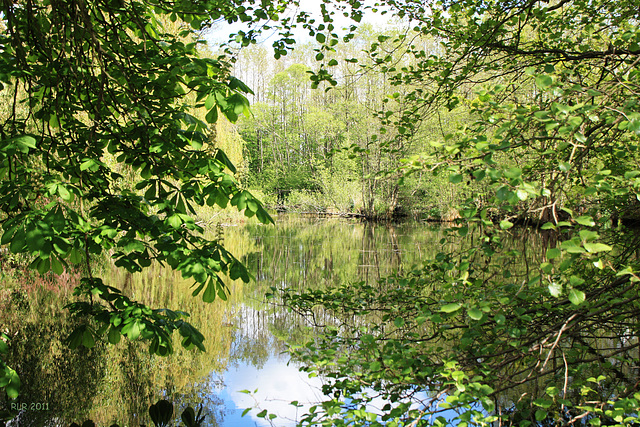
(628, 218)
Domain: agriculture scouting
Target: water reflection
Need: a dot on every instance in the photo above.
(272, 387)
(318, 252)
(244, 338)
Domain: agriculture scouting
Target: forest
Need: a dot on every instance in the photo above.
(122, 133)
(339, 151)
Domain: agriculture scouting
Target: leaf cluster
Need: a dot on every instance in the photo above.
(101, 153)
(494, 332)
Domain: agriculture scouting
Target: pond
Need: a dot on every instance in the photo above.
(245, 336)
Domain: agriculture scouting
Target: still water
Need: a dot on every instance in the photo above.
(245, 336)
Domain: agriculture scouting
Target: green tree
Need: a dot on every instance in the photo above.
(491, 331)
(91, 88)
(297, 129)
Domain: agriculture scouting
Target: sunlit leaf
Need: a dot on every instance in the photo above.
(506, 224)
(475, 313)
(597, 247)
(576, 296)
(450, 308)
(555, 289)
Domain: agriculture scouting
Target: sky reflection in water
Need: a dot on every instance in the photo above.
(277, 384)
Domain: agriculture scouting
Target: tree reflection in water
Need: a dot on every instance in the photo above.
(117, 383)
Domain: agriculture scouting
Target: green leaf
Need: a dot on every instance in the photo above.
(9, 231)
(64, 193)
(238, 104)
(18, 241)
(161, 412)
(513, 173)
(209, 294)
(212, 115)
(196, 143)
(13, 388)
(221, 290)
(458, 376)
(87, 339)
(53, 121)
(222, 157)
(35, 239)
(43, 265)
(576, 297)
(210, 102)
(586, 220)
(174, 221)
(588, 235)
(503, 193)
(455, 178)
(263, 216)
(541, 414)
(114, 335)
(450, 308)
(56, 265)
(553, 391)
(76, 256)
(553, 253)
(475, 313)
(75, 339)
(596, 247)
(576, 280)
(133, 329)
(239, 200)
(505, 224)
(555, 289)
(571, 247)
(252, 205)
(26, 141)
(543, 81)
(189, 417)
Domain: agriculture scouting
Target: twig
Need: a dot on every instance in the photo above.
(566, 379)
(564, 326)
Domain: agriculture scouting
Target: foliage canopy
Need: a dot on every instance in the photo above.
(492, 331)
(101, 152)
